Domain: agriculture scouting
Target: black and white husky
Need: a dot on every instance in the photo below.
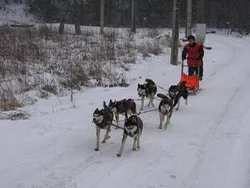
(125, 106)
(103, 120)
(176, 92)
(133, 128)
(165, 109)
(148, 89)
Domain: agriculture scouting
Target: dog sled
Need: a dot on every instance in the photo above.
(192, 81)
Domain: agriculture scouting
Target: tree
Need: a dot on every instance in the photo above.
(189, 18)
(120, 12)
(175, 33)
(153, 13)
(102, 17)
(133, 16)
(76, 12)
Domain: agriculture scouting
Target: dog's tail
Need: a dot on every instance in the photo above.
(162, 95)
(182, 84)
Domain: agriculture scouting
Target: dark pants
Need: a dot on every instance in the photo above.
(194, 69)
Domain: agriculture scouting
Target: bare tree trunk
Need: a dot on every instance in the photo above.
(200, 11)
(175, 33)
(77, 14)
(189, 18)
(120, 13)
(77, 27)
(102, 17)
(133, 16)
(61, 27)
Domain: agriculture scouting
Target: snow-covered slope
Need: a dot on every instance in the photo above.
(206, 145)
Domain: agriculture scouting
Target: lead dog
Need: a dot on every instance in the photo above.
(133, 128)
(165, 109)
(148, 89)
(103, 120)
(176, 92)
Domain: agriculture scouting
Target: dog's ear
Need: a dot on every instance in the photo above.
(104, 104)
(96, 110)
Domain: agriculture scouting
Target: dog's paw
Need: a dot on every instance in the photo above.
(168, 125)
(96, 149)
(138, 147)
(104, 141)
(118, 155)
(133, 149)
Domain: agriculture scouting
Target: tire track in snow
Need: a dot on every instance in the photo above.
(95, 159)
(190, 180)
(225, 61)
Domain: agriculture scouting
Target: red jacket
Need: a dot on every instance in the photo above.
(194, 53)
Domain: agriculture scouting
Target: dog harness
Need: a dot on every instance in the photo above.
(128, 100)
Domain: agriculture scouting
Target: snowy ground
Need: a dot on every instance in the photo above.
(205, 147)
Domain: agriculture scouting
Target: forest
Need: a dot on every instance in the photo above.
(233, 14)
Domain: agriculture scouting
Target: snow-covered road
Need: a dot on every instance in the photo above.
(206, 146)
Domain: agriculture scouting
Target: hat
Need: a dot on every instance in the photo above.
(191, 37)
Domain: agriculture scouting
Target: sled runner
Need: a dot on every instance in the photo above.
(192, 81)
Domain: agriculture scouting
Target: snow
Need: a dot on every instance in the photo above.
(206, 145)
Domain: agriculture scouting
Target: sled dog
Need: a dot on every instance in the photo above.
(148, 89)
(103, 120)
(176, 92)
(122, 107)
(133, 128)
(165, 109)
